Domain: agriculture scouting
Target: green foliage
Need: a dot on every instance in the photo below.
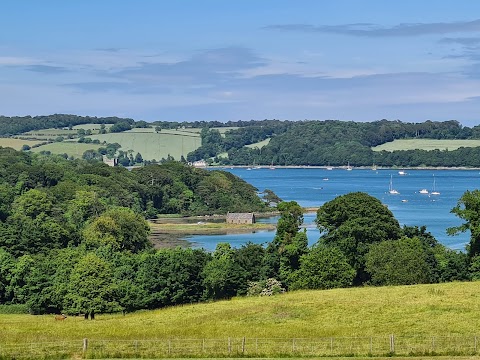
(353, 222)
(399, 262)
(119, 228)
(323, 268)
(266, 287)
(468, 209)
(222, 275)
(91, 289)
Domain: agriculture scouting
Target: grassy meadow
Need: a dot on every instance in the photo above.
(17, 143)
(259, 144)
(421, 310)
(426, 144)
(153, 145)
(437, 319)
(71, 148)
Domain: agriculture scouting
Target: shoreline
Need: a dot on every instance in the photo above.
(343, 167)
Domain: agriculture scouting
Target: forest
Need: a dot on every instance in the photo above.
(74, 239)
(336, 143)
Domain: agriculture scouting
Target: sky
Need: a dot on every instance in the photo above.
(179, 60)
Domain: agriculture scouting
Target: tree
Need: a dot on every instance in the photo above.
(289, 244)
(222, 275)
(468, 209)
(399, 262)
(353, 222)
(91, 289)
(323, 268)
(121, 228)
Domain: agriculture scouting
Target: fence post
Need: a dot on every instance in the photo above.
(243, 345)
(433, 343)
(475, 343)
(331, 345)
(203, 345)
(85, 345)
(229, 345)
(169, 347)
(293, 345)
(371, 345)
(392, 343)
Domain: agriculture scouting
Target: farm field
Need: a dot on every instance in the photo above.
(426, 144)
(259, 144)
(46, 134)
(421, 310)
(360, 321)
(17, 143)
(153, 145)
(71, 148)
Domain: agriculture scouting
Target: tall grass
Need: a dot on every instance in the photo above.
(422, 310)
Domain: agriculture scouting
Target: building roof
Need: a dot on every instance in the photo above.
(239, 216)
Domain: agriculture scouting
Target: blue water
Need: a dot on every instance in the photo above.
(312, 187)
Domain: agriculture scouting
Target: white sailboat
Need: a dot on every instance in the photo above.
(423, 191)
(434, 191)
(391, 190)
(349, 168)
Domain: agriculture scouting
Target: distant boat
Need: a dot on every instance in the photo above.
(404, 200)
(434, 191)
(349, 168)
(423, 191)
(374, 167)
(329, 168)
(391, 190)
(401, 172)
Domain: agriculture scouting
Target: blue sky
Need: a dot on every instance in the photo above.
(240, 60)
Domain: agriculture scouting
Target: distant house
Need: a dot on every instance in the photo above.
(199, 164)
(240, 218)
(110, 162)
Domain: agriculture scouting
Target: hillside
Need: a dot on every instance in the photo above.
(423, 311)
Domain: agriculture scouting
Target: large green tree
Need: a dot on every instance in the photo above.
(353, 222)
(400, 262)
(323, 268)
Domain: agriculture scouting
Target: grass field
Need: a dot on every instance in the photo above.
(426, 144)
(259, 144)
(153, 145)
(17, 143)
(71, 148)
(343, 321)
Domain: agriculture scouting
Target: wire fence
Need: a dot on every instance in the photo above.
(247, 347)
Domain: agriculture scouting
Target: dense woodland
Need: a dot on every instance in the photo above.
(73, 239)
(337, 143)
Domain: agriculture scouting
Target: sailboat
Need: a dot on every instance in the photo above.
(349, 168)
(391, 190)
(434, 191)
(423, 191)
(271, 166)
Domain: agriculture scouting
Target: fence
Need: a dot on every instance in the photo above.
(247, 347)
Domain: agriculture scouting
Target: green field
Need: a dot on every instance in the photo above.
(91, 126)
(71, 148)
(17, 143)
(153, 145)
(426, 144)
(259, 144)
(438, 318)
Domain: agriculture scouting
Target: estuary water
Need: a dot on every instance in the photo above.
(312, 187)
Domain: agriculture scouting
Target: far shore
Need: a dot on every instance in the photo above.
(396, 168)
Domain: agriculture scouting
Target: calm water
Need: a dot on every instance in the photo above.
(313, 187)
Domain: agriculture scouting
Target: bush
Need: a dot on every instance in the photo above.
(267, 287)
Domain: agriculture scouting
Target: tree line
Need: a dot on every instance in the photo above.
(336, 143)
